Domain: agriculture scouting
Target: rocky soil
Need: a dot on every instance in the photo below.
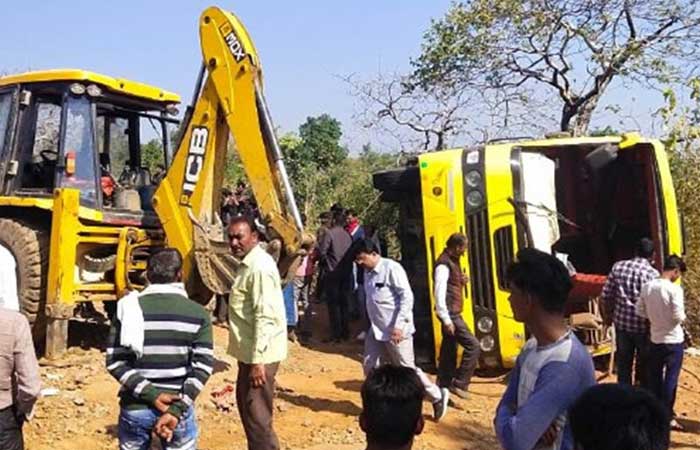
(317, 403)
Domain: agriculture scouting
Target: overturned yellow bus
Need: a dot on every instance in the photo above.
(587, 199)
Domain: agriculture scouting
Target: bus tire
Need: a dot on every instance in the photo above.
(406, 179)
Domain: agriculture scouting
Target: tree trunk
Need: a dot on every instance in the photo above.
(583, 117)
(567, 113)
(580, 115)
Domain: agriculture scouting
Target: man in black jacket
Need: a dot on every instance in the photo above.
(337, 265)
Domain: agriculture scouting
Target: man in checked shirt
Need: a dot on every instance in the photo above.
(620, 297)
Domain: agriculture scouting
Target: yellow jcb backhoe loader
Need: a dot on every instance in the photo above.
(79, 210)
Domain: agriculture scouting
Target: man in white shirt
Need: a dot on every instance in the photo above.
(449, 287)
(389, 303)
(661, 301)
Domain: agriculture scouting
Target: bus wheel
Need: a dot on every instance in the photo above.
(406, 179)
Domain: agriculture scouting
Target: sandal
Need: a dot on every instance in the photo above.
(676, 426)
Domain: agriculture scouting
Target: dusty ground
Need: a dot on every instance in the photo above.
(316, 408)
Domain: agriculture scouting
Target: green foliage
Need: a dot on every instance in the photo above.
(152, 155)
(322, 173)
(320, 141)
(607, 131)
(233, 173)
(683, 148)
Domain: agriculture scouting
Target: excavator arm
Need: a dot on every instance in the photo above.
(228, 101)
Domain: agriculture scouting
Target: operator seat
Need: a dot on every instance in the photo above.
(145, 188)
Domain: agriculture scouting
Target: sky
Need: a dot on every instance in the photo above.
(304, 45)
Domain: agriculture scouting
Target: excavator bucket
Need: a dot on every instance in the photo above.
(215, 263)
(217, 266)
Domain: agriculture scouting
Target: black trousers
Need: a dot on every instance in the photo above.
(665, 363)
(448, 373)
(10, 430)
(632, 354)
(338, 300)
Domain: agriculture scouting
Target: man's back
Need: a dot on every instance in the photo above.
(17, 361)
(622, 289)
(663, 306)
(334, 247)
(177, 349)
(19, 378)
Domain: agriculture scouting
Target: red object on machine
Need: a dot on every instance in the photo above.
(587, 285)
(107, 184)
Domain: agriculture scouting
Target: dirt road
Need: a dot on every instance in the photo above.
(317, 404)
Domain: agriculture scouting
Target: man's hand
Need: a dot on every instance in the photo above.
(165, 426)
(396, 336)
(449, 329)
(550, 435)
(257, 375)
(164, 400)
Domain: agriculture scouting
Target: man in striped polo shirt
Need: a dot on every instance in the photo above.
(160, 350)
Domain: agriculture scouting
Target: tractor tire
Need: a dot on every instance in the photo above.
(30, 248)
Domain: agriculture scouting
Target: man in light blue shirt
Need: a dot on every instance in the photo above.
(389, 302)
(552, 370)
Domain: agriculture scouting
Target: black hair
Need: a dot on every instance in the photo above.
(325, 215)
(674, 262)
(338, 219)
(615, 417)
(244, 218)
(456, 240)
(392, 400)
(542, 275)
(363, 246)
(645, 248)
(164, 266)
(337, 207)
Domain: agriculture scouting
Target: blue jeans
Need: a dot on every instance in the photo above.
(135, 428)
(665, 362)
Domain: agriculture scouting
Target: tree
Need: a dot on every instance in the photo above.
(437, 116)
(433, 116)
(573, 48)
(320, 141)
(313, 159)
(681, 119)
(152, 155)
(322, 173)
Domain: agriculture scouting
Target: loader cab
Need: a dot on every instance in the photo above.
(109, 138)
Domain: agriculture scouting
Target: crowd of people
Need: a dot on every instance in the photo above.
(160, 346)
